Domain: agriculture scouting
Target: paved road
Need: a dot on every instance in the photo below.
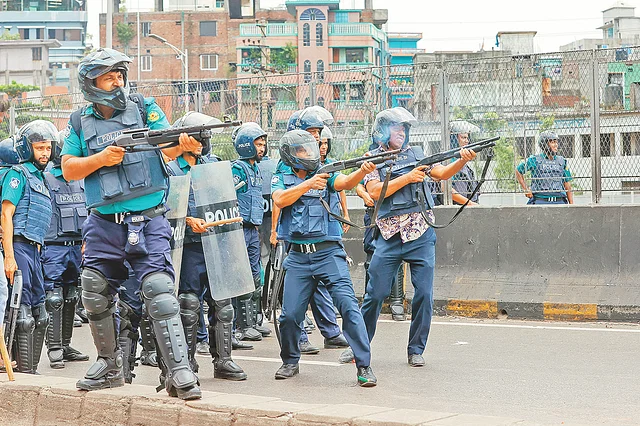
(542, 372)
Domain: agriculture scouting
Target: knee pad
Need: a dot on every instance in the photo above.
(54, 300)
(25, 323)
(40, 316)
(155, 284)
(93, 281)
(157, 291)
(189, 308)
(224, 311)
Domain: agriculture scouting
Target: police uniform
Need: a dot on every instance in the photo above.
(61, 259)
(465, 182)
(127, 222)
(548, 176)
(24, 186)
(194, 286)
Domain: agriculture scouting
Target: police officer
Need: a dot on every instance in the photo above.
(550, 177)
(250, 142)
(26, 215)
(465, 181)
(316, 251)
(404, 231)
(61, 259)
(194, 280)
(125, 192)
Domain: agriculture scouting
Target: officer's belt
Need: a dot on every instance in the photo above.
(551, 199)
(119, 217)
(21, 239)
(314, 247)
(63, 243)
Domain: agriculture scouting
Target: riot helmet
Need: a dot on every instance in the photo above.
(34, 132)
(544, 139)
(291, 124)
(461, 127)
(328, 135)
(244, 138)
(314, 117)
(299, 150)
(56, 150)
(191, 119)
(98, 63)
(386, 120)
(8, 154)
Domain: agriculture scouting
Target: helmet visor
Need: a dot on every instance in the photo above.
(318, 112)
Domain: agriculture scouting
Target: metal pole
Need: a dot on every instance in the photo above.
(596, 164)
(186, 80)
(138, 31)
(12, 120)
(109, 42)
(444, 129)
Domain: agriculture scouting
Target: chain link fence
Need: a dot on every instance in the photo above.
(591, 99)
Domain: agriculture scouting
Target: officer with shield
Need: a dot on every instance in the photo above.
(61, 259)
(125, 192)
(316, 251)
(550, 177)
(404, 232)
(26, 216)
(194, 280)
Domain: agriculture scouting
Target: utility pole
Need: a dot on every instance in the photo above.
(109, 43)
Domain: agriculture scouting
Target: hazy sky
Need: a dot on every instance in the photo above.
(466, 24)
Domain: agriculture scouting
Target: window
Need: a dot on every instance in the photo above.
(306, 35)
(307, 102)
(220, 4)
(36, 53)
(354, 55)
(312, 14)
(565, 145)
(146, 29)
(606, 144)
(320, 69)
(208, 28)
(51, 34)
(209, 62)
(318, 34)
(71, 35)
(586, 145)
(342, 17)
(146, 62)
(307, 71)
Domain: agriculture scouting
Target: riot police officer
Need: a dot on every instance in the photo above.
(250, 142)
(61, 259)
(125, 192)
(194, 280)
(550, 177)
(404, 232)
(465, 181)
(316, 251)
(26, 215)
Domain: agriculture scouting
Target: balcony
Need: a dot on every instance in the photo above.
(349, 66)
(271, 30)
(255, 67)
(350, 104)
(286, 105)
(357, 29)
(406, 51)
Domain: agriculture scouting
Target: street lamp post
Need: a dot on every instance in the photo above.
(184, 58)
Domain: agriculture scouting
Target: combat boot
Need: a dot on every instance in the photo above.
(220, 336)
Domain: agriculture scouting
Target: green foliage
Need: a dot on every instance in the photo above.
(222, 147)
(6, 35)
(15, 89)
(547, 122)
(463, 113)
(281, 58)
(125, 32)
(504, 154)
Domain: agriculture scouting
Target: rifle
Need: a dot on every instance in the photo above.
(14, 307)
(455, 152)
(136, 140)
(380, 158)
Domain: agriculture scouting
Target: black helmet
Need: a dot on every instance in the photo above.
(299, 150)
(388, 118)
(544, 139)
(34, 132)
(99, 63)
(193, 118)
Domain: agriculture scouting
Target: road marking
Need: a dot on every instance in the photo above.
(534, 327)
(279, 361)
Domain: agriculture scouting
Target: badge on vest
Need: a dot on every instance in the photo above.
(133, 239)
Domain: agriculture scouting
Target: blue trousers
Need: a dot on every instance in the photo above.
(304, 273)
(105, 250)
(61, 265)
(252, 238)
(29, 263)
(323, 313)
(420, 254)
(130, 294)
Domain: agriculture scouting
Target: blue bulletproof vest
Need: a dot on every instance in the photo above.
(307, 219)
(69, 209)
(251, 201)
(140, 173)
(405, 200)
(547, 178)
(33, 212)
(175, 170)
(465, 182)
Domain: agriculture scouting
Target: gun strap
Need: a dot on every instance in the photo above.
(423, 199)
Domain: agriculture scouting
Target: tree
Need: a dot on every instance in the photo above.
(504, 154)
(15, 90)
(281, 58)
(125, 33)
(6, 35)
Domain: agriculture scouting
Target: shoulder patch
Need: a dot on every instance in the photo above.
(14, 183)
(275, 179)
(153, 116)
(236, 179)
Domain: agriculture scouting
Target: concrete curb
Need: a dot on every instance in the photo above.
(46, 400)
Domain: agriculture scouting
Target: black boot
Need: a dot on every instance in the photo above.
(68, 323)
(220, 335)
(148, 355)
(245, 321)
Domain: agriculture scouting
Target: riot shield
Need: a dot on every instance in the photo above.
(178, 203)
(224, 247)
(267, 168)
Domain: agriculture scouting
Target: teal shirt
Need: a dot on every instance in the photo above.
(13, 183)
(56, 171)
(240, 176)
(76, 146)
(184, 166)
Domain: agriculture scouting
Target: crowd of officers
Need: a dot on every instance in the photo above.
(85, 218)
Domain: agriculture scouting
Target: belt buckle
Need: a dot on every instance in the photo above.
(119, 218)
(309, 248)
